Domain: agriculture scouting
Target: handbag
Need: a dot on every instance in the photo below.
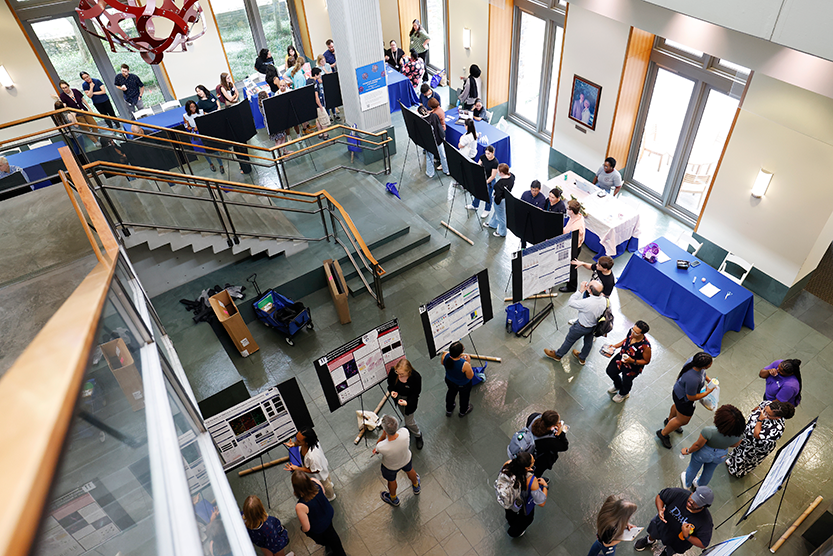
(323, 118)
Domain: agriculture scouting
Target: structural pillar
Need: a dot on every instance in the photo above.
(357, 33)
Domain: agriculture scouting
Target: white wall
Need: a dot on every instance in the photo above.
(203, 62)
(389, 10)
(785, 233)
(599, 61)
(474, 15)
(318, 23)
(33, 91)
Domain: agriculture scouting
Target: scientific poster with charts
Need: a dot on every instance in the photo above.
(456, 313)
(354, 368)
(542, 266)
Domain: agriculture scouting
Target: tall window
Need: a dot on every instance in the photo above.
(538, 37)
(434, 22)
(687, 110)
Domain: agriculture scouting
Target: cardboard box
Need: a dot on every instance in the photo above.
(338, 289)
(124, 369)
(230, 318)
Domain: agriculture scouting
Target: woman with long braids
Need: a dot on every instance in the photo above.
(686, 391)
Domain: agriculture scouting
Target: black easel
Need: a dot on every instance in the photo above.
(743, 506)
(265, 486)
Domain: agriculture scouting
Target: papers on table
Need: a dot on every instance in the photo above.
(630, 534)
(662, 257)
(709, 290)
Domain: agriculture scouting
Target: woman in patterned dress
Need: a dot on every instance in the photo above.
(626, 365)
(763, 429)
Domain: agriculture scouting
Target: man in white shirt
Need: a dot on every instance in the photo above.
(396, 456)
(589, 311)
(608, 177)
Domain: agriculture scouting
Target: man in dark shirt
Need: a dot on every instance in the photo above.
(682, 520)
(534, 196)
(602, 271)
(132, 88)
(394, 55)
(330, 54)
(426, 94)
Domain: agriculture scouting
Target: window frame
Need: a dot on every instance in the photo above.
(430, 67)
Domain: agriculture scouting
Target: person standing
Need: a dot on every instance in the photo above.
(683, 520)
(296, 74)
(713, 445)
(590, 309)
(533, 492)
(95, 91)
(783, 381)
(315, 513)
(132, 88)
(226, 92)
(578, 106)
(575, 224)
(628, 364)
(426, 93)
(264, 60)
(73, 98)
(534, 196)
(490, 164)
(394, 56)
(265, 531)
(405, 386)
(330, 54)
(315, 462)
(458, 375)
(472, 88)
(208, 103)
(602, 271)
(607, 177)
(414, 68)
(438, 129)
(686, 391)
(550, 439)
(190, 119)
(763, 429)
(611, 523)
(394, 446)
(419, 46)
(503, 186)
(321, 102)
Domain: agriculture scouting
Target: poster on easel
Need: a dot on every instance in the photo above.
(543, 266)
(352, 369)
(456, 313)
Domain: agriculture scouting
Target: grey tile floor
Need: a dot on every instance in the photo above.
(613, 449)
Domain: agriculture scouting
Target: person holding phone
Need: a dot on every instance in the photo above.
(315, 462)
(405, 385)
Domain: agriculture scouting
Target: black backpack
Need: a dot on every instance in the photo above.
(605, 323)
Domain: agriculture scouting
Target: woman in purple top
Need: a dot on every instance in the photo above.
(783, 381)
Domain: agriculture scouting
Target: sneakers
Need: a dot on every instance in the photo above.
(551, 354)
(619, 398)
(385, 496)
(417, 487)
(485, 213)
(572, 321)
(643, 543)
(497, 234)
(679, 430)
(468, 410)
(471, 207)
(565, 289)
(419, 444)
(682, 481)
(577, 356)
(612, 390)
(694, 484)
(666, 441)
(448, 413)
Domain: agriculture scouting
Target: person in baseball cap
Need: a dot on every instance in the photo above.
(682, 520)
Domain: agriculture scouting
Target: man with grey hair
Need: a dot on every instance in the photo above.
(589, 311)
(7, 169)
(396, 456)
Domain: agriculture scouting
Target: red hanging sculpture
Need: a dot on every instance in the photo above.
(104, 18)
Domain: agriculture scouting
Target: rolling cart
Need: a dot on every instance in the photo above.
(279, 312)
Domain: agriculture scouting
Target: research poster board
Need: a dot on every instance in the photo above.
(373, 85)
(728, 547)
(781, 468)
(247, 429)
(542, 266)
(359, 365)
(456, 313)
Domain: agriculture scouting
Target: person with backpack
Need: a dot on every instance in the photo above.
(626, 365)
(458, 375)
(519, 491)
(612, 521)
(589, 311)
(544, 436)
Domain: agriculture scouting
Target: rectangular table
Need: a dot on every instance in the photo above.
(399, 88)
(498, 139)
(675, 294)
(31, 161)
(170, 119)
(612, 225)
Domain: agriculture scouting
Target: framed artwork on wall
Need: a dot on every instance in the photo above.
(584, 107)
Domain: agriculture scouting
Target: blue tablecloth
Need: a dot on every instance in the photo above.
(170, 118)
(592, 241)
(498, 139)
(258, 117)
(31, 161)
(671, 292)
(400, 88)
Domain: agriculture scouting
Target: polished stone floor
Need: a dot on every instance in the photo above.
(613, 449)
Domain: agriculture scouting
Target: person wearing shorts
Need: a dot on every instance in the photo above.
(686, 391)
(394, 446)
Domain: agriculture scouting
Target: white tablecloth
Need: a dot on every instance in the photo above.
(611, 218)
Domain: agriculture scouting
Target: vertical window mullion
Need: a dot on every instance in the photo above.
(253, 15)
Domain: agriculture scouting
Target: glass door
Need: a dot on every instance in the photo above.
(433, 20)
(531, 41)
(65, 48)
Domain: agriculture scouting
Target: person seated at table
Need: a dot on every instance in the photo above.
(226, 93)
(576, 223)
(413, 68)
(602, 271)
(394, 56)
(7, 169)
(191, 112)
(608, 177)
(426, 93)
(471, 88)
(554, 201)
(264, 60)
(534, 196)
(468, 142)
(478, 112)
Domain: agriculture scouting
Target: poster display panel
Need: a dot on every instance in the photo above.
(456, 313)
(357, 366)
(542, 266)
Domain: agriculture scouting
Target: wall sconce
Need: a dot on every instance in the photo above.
(761, 183)
(5, 78)
(467, 38)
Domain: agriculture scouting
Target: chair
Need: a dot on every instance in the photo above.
(686, 241)
(142, 113)
(733, 259)
(502, 125)
(43, 143)
(170, 104)
(487, 116)
(7, 152)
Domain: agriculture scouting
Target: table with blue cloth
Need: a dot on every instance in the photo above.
(498, 139)
(30, 161)
(170, 119)
(399, 88)
(675, 293)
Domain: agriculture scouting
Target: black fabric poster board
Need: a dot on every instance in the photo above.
(141, 152)
(290, 109)
(419, 131)
(332, 90)
(471, 175)
(10, 182)
(530, 223)
(234, 123)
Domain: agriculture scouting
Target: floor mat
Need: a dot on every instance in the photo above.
(821, 284)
